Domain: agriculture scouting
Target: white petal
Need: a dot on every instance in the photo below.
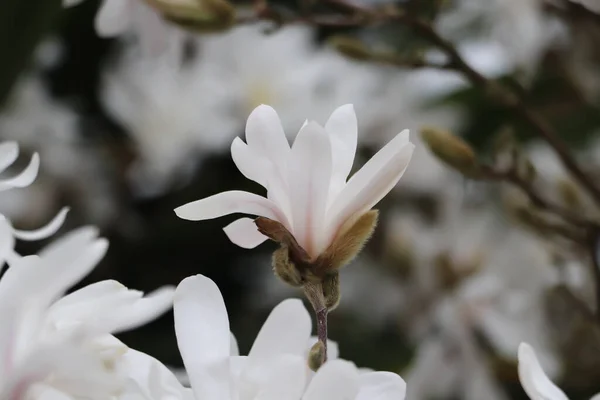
(371, 183)
(381, 386)
(203, 336)
(250, 163)
(284, 380)
(335, 380)
(234, 350)
(7, 240)
(113, 18)
(533, 379)
(244, 233)
(71, 3)
(46, 231)
(342, 129)
(9, 151)
(285, 331)
(596, 397)
(309, 176)
(265, 135)
(25, 178)
(225, 203)
(144, 310)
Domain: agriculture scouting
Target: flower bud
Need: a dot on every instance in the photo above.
(347, 244)
(350, 47)
(331, 291)
(452, 150)
(285, 269)
(316, 356)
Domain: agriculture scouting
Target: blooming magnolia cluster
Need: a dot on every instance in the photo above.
(61, 346)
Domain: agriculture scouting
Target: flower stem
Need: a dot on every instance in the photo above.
(322, 328)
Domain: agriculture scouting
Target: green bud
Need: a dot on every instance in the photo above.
(452, 150)
(316, 356)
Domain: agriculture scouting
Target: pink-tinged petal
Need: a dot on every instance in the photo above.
(9, 151)
(533, 378)
(309, 176)
(113, 17)
(203, 336)
(342, 128)
(265, 135)
(46, 231)
(244, 233)
(371, 183)
(286, 331)
(225, 203)
(381, 386)
(250, 163)
(335, 380)
(25, 178)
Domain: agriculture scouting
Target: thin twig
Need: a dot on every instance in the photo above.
(322, 328)
(594, 242)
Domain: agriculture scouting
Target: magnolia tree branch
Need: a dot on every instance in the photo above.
(510, 98)
(594, 247)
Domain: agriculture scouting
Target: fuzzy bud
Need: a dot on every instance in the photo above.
(197, 15)
(331, 291)
(452, 150)
(316, 356)
(350, 47)
(347, 244)
(284, 268)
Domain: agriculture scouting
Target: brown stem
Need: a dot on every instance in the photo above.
(594, 243)
(322, 328)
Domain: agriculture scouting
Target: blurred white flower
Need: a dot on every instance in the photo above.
(54, 345)
(118, 17)
(592, 5)
(306, 184)
(275, 368)
(534, 380)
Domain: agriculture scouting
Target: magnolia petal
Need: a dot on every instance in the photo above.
(596, 397)
(113, 18)
(381, 386)
(265, 135)
(533, 378)
(285, 331)
(244, 233)
(371, 183)
(250, 163)
(7, 240)
(309, 175)
(342, 128)
(9, 151)
(234, 350)
(335, 380)
(25, 178)
(46, 231)
(144, 310)
(225, 203)
(203, 336)
(285, 380)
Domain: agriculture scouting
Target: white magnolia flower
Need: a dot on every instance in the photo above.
(61, 346)
(307, 191)
(9, 151)
(534, 380)
(117, 17)
(276, 367)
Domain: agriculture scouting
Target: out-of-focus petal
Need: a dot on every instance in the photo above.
(25, 178)
(381, 386)
(113, 18)
(46, 231)
(244, 233)
(309, 176)
(335, 380)
(9, 151)
(203, 336)
(533, 378)
(285, 331)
